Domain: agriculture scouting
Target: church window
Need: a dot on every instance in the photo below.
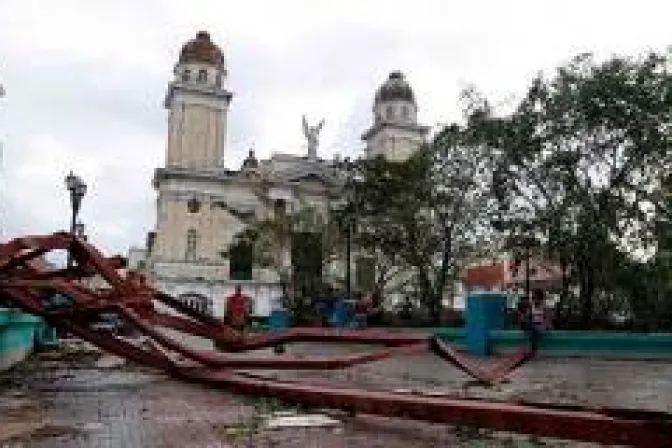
(192, 240)
(186, 74)
(193, 205)
(390, 113)
(240, 261)
(202, 75)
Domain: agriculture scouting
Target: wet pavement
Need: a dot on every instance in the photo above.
(74, 397)
(574, 381)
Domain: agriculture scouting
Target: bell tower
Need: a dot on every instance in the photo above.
(395, 133)
(198, 105)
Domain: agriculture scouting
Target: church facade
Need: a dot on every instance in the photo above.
(201, 206)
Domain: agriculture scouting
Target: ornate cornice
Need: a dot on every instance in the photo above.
(423, 130)
(202, 91)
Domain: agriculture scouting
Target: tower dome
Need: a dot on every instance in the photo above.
(202, 50)
(395, 133)
(395, 89)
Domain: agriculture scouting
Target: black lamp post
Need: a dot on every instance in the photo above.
(80, 230)
(347, 218)
(77, 189)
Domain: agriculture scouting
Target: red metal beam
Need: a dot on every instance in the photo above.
(479, 371)
(219, 360)
(584, 424)
(133, 302)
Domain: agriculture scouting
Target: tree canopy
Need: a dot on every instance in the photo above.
(580, 161)
(579, 170)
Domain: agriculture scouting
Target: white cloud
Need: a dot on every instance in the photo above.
(85, 81)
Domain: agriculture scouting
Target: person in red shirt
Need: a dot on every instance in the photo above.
(237, 310)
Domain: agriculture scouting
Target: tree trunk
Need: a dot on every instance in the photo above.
(434, 307)
(427, 295)
(586, 294)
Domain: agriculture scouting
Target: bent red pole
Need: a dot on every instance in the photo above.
(573, 424)
(217, 360)
(501, 370)
(327, 335)
(488, 375)
(446, 352)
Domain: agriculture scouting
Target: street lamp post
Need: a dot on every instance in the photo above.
(80, 230)
(77, 189)
(349, 222)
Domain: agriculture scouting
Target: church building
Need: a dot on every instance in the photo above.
(201, 206)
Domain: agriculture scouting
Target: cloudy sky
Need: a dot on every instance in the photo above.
(85, 80)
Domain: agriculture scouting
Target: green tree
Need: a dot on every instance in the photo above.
(426, 216)
(275, 238)
(380, 205)
(579, 161)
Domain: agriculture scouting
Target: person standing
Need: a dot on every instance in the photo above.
(534, 318)
(238, 310)
(362, 308)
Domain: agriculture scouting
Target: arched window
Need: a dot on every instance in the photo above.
(389, 113)
(202, 75)
(186, 74)
(404, 112)
(192, 240)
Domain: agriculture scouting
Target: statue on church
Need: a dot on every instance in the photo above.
(312, 134)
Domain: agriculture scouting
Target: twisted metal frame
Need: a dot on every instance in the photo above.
(63, 299)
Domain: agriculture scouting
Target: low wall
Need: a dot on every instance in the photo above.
(17, 336)
(576, 343)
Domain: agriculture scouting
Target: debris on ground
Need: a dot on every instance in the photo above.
(300, 421)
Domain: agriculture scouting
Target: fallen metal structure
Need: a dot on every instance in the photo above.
(65, 299)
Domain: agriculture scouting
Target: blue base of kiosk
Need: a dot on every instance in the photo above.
(485, 311)
(278, 320)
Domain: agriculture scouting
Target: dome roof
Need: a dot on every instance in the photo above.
(202, 50)
(395, 88)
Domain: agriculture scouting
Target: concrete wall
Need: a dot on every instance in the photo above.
(17, 336)
(599, 344)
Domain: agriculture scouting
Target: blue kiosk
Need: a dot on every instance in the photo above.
(485, 311)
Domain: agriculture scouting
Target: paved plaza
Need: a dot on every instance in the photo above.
(79, 398)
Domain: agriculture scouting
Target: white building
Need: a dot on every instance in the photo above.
(201, 205)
